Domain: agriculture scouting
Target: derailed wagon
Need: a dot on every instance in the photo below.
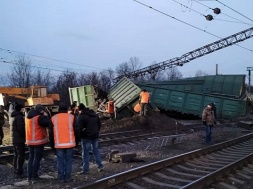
(230, 101)
(186, 96)
(194, 103)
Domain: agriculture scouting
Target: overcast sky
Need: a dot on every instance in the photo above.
(93, 35)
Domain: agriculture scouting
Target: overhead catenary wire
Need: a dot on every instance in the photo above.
(8, 62)
(188, 24)
(239, 21)
(235, 10)
(40, 67)
(53, 59)
(189, 8)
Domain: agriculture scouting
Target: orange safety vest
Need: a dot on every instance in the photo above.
(137, 107)
(110, 107)
(64, 136)
(144, 97)
(35, 134)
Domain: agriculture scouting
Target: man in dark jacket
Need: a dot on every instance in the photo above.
(18, 139)
(2, 122)
(208, 119)
(36, 137)
(90, 125)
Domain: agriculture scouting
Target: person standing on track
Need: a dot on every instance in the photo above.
(89, 124)
(208, 119)
(37, 121)
(63, 136)
(18, 139)
(143, 101)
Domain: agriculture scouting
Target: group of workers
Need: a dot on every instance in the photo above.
(64, 130)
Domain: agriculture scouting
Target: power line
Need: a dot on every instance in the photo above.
(53, 59)
(7, 62)
(39, 67)
(223, 14)
(189, 8)
(234, 10)
(188, 24)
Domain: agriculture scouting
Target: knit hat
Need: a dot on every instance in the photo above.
(72, 106)
(81, 106)
(39, 107)
(63, 107)
(18, 107)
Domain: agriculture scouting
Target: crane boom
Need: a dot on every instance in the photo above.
(187, 57)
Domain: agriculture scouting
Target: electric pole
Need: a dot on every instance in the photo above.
(249, 76)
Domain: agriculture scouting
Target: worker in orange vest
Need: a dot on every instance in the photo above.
(36, 137)
(143, 101)
(110, 108)
(64, 133)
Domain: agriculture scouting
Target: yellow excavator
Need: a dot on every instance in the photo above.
(31, 96)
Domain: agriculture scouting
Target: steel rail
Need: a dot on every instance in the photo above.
(140, 171)
(208, 179)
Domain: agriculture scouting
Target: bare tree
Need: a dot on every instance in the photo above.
(156, 75)
(3, 80)
(22, 73)
(64, 81)
(93, 78)
(200, 73)
(106, 80)
(134, 63)
(83, 80)
(43, 78)
(123, 69)
(173, 74)
(127, 67)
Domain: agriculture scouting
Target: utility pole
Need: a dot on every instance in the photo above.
(249, 76)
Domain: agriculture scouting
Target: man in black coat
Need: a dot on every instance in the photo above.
(18, 139)
(90, 125)
(2, 122)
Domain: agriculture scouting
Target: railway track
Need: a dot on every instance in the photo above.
(211, 167)
(107, 139)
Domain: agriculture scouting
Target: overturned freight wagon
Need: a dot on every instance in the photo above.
(125, 94)
(193, 103)
(229, 105)
(84, 94)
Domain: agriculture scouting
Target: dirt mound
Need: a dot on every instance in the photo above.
(154, 121)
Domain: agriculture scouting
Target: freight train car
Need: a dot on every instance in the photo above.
(232, 86)
(126, 94)
(84, 94)
(194, 103)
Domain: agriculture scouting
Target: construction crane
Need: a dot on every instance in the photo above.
(187, 57)
(30, 96)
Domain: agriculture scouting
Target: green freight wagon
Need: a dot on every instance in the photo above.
(194, 103)
(125, 94)
(84, 94)
(232, 86)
